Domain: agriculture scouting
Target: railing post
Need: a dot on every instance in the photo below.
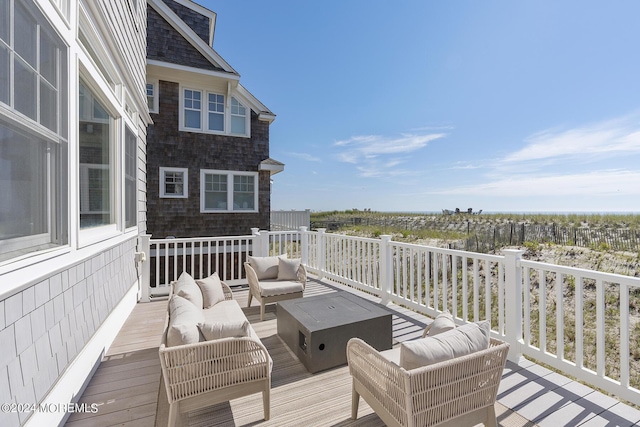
(386, 269)
(256, 244)
(145, 247)
(320, 252)
(304, 243)
(513, 302)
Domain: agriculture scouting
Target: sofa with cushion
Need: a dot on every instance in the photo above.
(209, 352)
(448, 377)
(274, 278)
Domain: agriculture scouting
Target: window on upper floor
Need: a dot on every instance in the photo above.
(208, 112)
(152, 97)
(174, 182)
(228, 191)
(33, 132)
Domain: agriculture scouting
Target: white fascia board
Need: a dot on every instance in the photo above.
(190, 35)
(202, 11)
(187, 69)
(273, 169)
(263, 112)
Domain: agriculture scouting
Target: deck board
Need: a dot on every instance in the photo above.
(127, 383)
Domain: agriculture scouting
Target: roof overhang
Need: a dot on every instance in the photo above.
(271, 165)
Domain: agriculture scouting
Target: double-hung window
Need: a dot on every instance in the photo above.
(174, 183)
(152, 97)
(208, 112)
(96, 161)
(228, 191)
(130, 178)
(33, 132)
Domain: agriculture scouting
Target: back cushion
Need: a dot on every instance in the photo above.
(448, 345)
(187, 288)
(442, 323)
(266, 267)
(183, 322)
(212, 292)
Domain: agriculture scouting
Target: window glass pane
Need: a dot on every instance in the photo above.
(95, 164)
(4, 74)
(150, 96)
(243, 192)
(130, 169)
(25, 89)
(32, 191)
(216, 121)
(192, 119)
(48, 58)
(174, 183)
(4, 20)
(215, 194)
(48, 98)
(25, 34)
(238, 125)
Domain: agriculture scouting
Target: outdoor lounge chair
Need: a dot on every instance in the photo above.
(458, 391)
(273, 279)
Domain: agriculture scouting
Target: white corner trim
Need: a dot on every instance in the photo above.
(73, 381)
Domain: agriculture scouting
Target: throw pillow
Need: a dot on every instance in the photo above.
(183, 322)
(266, 267)
(442, 323)
(212, 292)
(457, 342)
(217, 330)
(187, 288)
(288, 269)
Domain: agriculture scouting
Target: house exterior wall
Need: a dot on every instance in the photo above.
(169, 147)
(60, 306)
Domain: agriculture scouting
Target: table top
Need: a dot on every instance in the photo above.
(331, 310)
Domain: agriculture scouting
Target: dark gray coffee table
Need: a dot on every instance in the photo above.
(317, 328)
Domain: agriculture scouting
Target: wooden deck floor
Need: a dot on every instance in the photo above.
(126, 386)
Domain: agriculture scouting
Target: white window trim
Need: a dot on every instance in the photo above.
(185, 172)
(229, 175)
(156, 99)
(204, 113)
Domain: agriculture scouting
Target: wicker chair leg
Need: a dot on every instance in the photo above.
(355, 402)
(174, 411)
(266, 403)
(249, 299)
(262, 310)
(491, 417)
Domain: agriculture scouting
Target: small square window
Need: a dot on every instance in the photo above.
(174, 183)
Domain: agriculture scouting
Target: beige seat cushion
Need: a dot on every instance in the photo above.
(211, 288)
(269, 288)
(442, 323)
(228, 311)
(183, 322)
(217, 330)
(266, 267)
(288, 269)
(457, 342)
(187, 288)
(392, 355)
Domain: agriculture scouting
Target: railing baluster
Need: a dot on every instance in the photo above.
(487, 291)
(624, 335)
(600, 325)
(559, 316)
(542, 307)
(579, 310)
(465, 289)
(527, 306)
(476, 290)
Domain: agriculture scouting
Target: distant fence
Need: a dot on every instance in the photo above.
(483, 237)
(289, 220)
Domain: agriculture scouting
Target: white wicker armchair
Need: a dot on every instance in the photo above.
(267, 291)
(457, 392)
(205, 373)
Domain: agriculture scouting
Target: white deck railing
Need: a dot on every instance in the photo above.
(518, 296)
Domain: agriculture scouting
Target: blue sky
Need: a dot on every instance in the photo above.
(420, 105)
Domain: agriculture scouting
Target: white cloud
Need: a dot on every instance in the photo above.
(377, 156)
(305, 156)
(613, 137)
(596, 183)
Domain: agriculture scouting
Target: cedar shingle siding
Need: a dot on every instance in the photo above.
(168, 147)
(197, 22)
(164, 43)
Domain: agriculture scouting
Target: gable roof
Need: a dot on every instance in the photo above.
(176, 42)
